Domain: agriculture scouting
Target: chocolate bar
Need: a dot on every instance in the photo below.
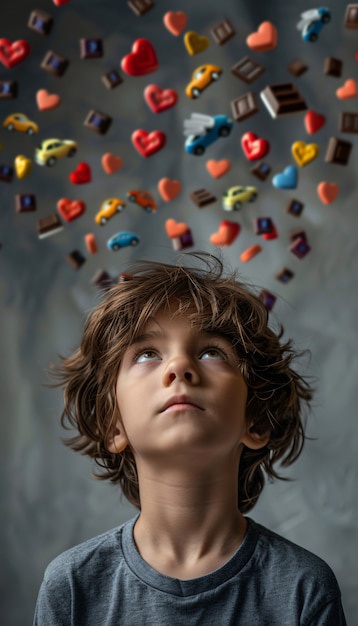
(297, 68)
(103, 280)
(202, 197)
(267, 298)
(332, 67)
(261, 171)
(348, 123)
(25, 202)
(222, 32)
(98, 122)
(184, 241)
(6, 173)
(283, 99)
(244, 106)
(40, 21)
(112, 79)
(139, 7)
(76, 259)
(351, 16)
(263, 225)
(247, 70)
(54, 63)
(295, 208)
(338, 151)
(91, 48)
(8, 89)
(49, 226)
(284, 275)
(300, 247)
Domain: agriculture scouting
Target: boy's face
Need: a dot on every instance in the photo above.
(172, 359)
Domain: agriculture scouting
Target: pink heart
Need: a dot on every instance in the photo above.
(175, 22)
(169, 189)
(160, 99)
(46, 101)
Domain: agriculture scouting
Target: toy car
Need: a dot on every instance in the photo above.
(144, 199)
(52, 149)
(203, 130)
(312, 23)
(234, 197)
(121, 240)
(20, 122)
(109, 207)
(202, 77)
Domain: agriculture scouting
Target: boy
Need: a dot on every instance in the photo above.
(182, 392)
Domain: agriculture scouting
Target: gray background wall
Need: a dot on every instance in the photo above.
(49, 501)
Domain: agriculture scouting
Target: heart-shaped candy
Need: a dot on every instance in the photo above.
(304, 153)
(111, 163)
(70, 210)
(176, 229)
(160, 99)
(169, 189)
(175, 22)
(314, 121)
(254, 147)
(23, 166)
(349, 90)
(218, 168)
(286, 179)
(81, 175)
(265, 38)
(59, 3)
(142, 60)
(327, 192)
(46, 101)
(194, 43)
(148, 143)
(13, 53)
(227, 233)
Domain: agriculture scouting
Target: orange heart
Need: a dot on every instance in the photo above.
(70, 210)
(175, 229)
(46, 101)
(227, 233)
(169, 189)
(349, 90)
(264, 39)
(327, 192)
(218, 168)
(111, 163)
(175, 22)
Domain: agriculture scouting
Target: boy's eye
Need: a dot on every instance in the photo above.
(145, 355)
(214, 353)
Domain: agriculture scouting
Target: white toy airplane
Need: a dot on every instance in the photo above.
(198, 124)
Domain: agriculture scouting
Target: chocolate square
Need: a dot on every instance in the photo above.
(299, 233)
(263, 225)
(300, 247)
(247, 70)
(261, 171)
(283, 99)
(91, 48)
(297, 68)
(338, 151)
(40, 21)
(98, 122)
(6, 173)
(244, 106)
(76, 259)
(25, 202)
(351, 16)
(332, 67)
(112, 79)
(103, 280)
(139, 7)
(54, 63)
(222, 32)
(284, 275)
(268, 299)
(8, 89)
(49, 225)
(202, 197)
(295, 208)
(184, 241)
(348, 123)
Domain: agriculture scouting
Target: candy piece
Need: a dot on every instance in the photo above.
(54, 63)
(49, 225)
(111, 163)
(98, 122)
(227, 233)
(91, 243)
(297, 68)
(300, 247)
(142, 60)
(6, 173)
(194, 43)
(222, 32)
(254, 147)
(23, 166)
(169, 189)
(268, 299)
(314, 121)
(218, 168)
(13, 53)
(327, 192)
(338, 151)
(40, 21)
(295, 208)
(282, 99)
(272, 235)
(82, 174)
(261, 171)
(8, 89)
(175, 229)
(111, 79)
(175, 22)
(250, 253)
(247, 70)
(349, 90)
(202, 198)
(351, 16)
(184, 241)
(160, 99)
(76, 259)
(332, 67)
(70, 210)
(91, 48)
(148, 143)
(284, 275)
(59, 3)
(264, 39)
(287, 179)
(304, 153)
(47, 101)
(348, 123)
(103, 280)
(298, 233)
(25, 202)
(140, 7)
(244, 106)
(263, 225)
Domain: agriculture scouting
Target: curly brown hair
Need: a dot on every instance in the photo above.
(277, 395)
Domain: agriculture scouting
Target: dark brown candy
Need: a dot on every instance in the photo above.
(202, 197)
(300, 247)
(247, 70)
(297, 68)
(338, 151)
(140, 7)
(25, 202)
(8, 89)
(244, 106)
(6, 173)
(98, 122)
(54, 63)
(91, 48)
(103, 280)
(261, 171)
(76, 259)
(40, 21)
(222, 32)
(49, 225)
(348, 123)
(332, 67)
(295, 208)
(351, 16)
(284, 275)
(283, 99)
(112, 79)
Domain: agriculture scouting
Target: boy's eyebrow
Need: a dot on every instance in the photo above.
(150, 335)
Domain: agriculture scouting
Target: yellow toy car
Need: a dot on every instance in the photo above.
(52, 149)
(108, 209)
(234, 197)
(20, 122)
(202, 77)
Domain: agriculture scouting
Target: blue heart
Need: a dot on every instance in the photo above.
(287, 179)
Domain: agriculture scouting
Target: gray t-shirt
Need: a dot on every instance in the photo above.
(269, 581)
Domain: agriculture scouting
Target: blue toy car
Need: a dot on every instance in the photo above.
(121, 240)
(312, 23)
(203, 130)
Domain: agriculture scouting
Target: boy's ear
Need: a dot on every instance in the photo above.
(117, 441)
(254, 440)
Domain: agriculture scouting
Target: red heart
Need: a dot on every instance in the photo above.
(142, 59)
(314, 121)
(160, 99)
(59, 3)
(254, 147)
(70, 210)
(148, 143)
(81, 175)
(13, 53)
(227, 233)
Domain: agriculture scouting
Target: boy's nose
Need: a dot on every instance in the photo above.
(181, 368)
